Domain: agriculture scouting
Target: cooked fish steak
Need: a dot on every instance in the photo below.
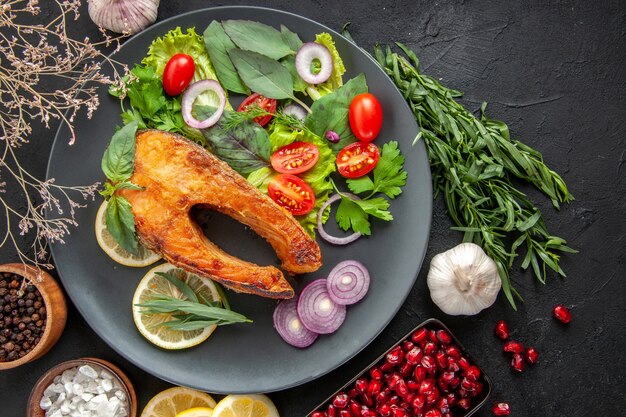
(176, 175)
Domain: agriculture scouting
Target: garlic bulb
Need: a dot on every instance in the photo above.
(123, 16)
(463, 280)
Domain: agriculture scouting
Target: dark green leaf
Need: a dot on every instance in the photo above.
(118, 161)
(257, 37)
(351, 216)
(331, 112)
(120, 222)
(291, 38)
(218, 44)
(245, 147)
(263, 75)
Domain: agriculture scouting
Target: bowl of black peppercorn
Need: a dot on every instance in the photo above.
(33, 313)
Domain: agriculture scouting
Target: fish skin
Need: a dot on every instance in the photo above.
(176, 175)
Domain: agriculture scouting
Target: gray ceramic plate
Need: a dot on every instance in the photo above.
(252, 357)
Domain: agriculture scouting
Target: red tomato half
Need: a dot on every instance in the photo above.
(366, 117)
(267, 104)
(295, 158)
(178, 74)
(357, 159)
(292, 193)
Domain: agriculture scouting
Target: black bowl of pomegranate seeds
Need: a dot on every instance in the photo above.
(426, 374)
(32, 314)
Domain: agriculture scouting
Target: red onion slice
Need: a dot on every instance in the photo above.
(348, 282)
(309, 52)
(191, 94)
(317, 311)
(295, 110)
(289, 327)
(320, 226)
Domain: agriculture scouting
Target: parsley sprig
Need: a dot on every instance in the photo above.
(388, 178)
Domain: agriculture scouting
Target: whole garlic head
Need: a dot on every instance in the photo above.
(463, 280)
(123, 16)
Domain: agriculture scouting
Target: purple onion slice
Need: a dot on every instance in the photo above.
(348, 282)
(296, 111)
(191, 94)
(307, 54)
(289, 327)
(317, 311)
(320, 226)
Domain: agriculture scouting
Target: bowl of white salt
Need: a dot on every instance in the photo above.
(86, 387)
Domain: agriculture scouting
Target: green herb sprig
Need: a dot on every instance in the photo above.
(473, 161)
(192, 312)
(118, 164)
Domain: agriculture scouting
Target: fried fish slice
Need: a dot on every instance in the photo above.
(176, 175)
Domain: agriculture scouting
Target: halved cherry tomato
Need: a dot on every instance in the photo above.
(366, 117)
(178, 73)
(255, 99)
(292, 193)
(357, 159)
(295, 158)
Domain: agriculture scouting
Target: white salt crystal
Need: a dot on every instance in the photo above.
(96, 401)
(86, 397)
(68, 387)
(65, 407)
(100, 389)
(78, 389)
(60, 399)
(121, 412)
(120, 395)
(45, 402)
(57, 388)
(106, 375)
(75, 413)
(57, 413)
(107, 385)
(88, 371)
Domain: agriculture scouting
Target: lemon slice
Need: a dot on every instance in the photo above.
(148, 324)
(144, 257)
(196, 412)
(172, 401)
(254, 405)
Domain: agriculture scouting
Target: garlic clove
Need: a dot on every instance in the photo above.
(463, 280)
(123, 16)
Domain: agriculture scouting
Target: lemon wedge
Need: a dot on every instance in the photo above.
(254, 405)
(172, 401)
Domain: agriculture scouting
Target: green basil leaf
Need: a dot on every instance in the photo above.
(331, 112)
(291, 38)
(299, 84)
(120, 223)
(218, 44)
(118, 161)
(257, 37)
(180, 285)
(245, 147)
(262, 75)
(127, 185)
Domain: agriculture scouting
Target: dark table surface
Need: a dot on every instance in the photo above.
(556, 73)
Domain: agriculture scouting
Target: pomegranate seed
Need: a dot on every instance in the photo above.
(367, 400)
(340, 400)
(427, 386)
(412, 385)
(395, 356)
(448, 414)
(331, 411)
(414, 356)
(429, 364)
(453, 365)
(441, 359)
(453, 351)
(501, 409)
(384, 410)
(472, 373)
(399, 412)
(383, 396)
(432, 397)
(419, 335)
(502, 330)
(393, 380)
(477, 389)
(562, 314)
(374, 387)
(442, 405)
(407, 345)
(464, 403)
(432, 335)
(462, 393)
(345, 413)
(451, 397)
(376, 373)
(406, 369)
(531, 355)
(513, 346)
(354, 407)
(318, 414)
(361, 384)
(353, 393)
(368, 413)
(447, 377)
(419, 373)
(517, 363)
(464, 363)
(394, 400)
(468, 385)
(455, 382)
(444, 337)
(401, 388)
(433, 413)
(430, 348)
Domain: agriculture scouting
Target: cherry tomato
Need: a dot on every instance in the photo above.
(357, 159)
(292, 193)
(366, 117)
(295, 158)
(267, 104)
(178, 74)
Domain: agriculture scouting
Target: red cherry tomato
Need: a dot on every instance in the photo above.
(292, 193)
(295, 158)
(357, 159)
(178, 74)
(366, 117)
(255, 99)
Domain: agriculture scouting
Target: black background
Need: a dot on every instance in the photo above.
(556, 73)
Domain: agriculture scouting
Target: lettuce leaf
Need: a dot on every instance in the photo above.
(335, 81)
